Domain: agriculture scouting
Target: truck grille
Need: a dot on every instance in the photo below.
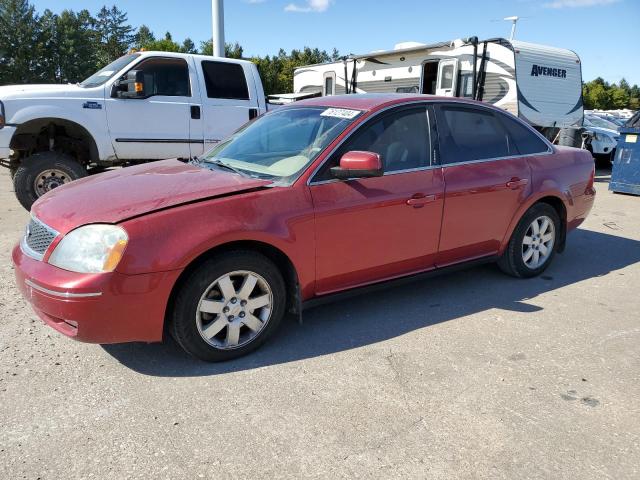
(37, 239)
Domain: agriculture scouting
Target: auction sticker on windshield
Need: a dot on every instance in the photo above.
(340, 113)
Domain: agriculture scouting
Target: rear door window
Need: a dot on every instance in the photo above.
(526, 141)
(468, 134)
(225, 80)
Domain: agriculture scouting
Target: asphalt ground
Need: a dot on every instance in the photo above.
(469, 375)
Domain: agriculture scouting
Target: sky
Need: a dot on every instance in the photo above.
(602, 32)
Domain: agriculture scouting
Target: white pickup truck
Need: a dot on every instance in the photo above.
(144, 106)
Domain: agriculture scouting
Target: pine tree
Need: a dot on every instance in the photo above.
(77, 45)
(115, 34)
(18, 34)
(144, 37)
(188, 46)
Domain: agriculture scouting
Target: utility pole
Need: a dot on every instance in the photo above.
(217, 8)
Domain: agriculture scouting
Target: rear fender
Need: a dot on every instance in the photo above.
(555, 192)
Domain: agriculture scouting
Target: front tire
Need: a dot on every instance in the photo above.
(228, 306)
(533, 244)
(41, 173)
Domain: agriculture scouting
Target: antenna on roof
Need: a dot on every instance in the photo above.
(514, 19)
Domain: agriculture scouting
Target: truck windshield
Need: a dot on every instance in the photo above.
(104, 74)
(282, 143)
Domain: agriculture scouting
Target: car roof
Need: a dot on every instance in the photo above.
(374, 101)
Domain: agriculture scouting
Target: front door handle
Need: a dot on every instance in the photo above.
(418, 201)
(195, 112)
(516, 183)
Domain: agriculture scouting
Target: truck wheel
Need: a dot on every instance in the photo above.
(228, 306)
(41, 173)
(533, 243)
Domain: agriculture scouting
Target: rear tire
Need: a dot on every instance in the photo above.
(533, 244)
(228, 306)
(41, 173)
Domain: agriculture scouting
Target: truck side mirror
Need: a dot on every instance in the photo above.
(132, 86)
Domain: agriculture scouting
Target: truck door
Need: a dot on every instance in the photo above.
(229, 100)
(447, 77)
(156, 124)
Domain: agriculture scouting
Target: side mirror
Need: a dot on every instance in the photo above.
(132, 86)
(358, 164)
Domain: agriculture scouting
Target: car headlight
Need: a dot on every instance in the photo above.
(90, 249)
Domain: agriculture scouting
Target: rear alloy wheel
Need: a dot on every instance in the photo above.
(538, 242)
(228, 306)
(533, 243)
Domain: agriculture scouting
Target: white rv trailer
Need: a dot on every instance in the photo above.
(540, 84)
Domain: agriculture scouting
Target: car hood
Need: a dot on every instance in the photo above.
(120, 194)
(29, 91)
(603, 131)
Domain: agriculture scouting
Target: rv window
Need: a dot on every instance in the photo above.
(413, 89)
(468, 134)
(225, 80)
(466, 88)
(328, 86)
(526, 141)
(447, 76)
(401, 138)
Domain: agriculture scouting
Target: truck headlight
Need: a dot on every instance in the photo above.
(90, 249)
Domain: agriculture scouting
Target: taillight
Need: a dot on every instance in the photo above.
(1, 114)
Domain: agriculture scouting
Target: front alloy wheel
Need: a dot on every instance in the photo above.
(234, 310)
(228, 306)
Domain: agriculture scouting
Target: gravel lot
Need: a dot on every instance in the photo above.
(469, 375)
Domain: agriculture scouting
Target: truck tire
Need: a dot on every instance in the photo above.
(42, 172)
(570, 137)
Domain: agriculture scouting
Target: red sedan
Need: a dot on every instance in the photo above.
(319, 197)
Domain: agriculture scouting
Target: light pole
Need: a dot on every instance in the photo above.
(217, 8)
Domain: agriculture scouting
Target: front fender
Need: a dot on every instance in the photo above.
(93, 120)
(281, 217)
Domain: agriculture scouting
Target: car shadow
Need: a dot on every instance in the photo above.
(603, 175)
(371, 318)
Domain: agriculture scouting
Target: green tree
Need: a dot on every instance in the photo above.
(76, 46)
(596, 96)
(143, 37)
(18, 34)
(619, 97)
(46, 53)
(164, 45)
(231, 50)
(114, 33)
(188, 46)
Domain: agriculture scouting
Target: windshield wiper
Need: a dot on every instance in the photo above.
(222, 164)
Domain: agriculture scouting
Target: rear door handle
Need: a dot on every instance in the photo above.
(516, 183)
(420, 201)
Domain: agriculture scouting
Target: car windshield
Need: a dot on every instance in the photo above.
(595, 121)
(104, 74)
(282, 143)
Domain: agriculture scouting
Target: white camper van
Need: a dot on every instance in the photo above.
(540, 84)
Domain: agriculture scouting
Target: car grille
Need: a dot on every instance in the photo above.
(37, 239)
